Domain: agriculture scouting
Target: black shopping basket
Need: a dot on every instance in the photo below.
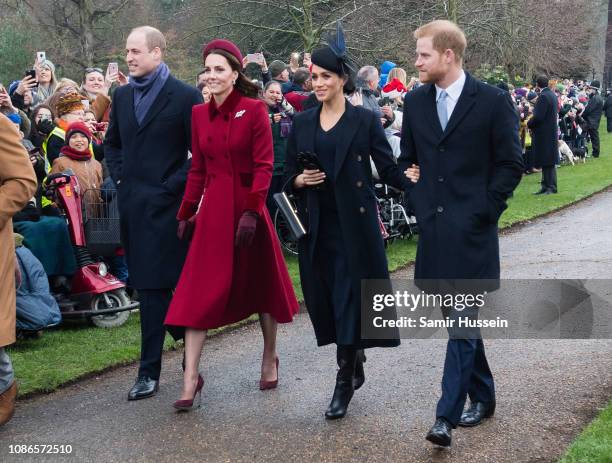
(101, 221)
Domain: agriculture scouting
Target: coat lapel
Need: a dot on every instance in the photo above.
(160, 103)
(131, 114)
(308, 131)
(463, 106)
(350, 127)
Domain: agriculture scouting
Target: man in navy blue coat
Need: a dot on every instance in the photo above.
(545, 127)
(463, 135)
(146, 150)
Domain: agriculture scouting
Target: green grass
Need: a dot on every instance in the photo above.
(594, 444)
(75, 351)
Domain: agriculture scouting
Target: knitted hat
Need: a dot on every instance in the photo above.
(78, 127)
(595, 84)
(68, 103)
(277, 67)
(225, 45)
(531, 96)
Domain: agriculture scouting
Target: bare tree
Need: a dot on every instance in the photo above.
(282, 26)
(77, 28)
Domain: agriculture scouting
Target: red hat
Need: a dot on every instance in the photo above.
(78, 127)
(225, 45)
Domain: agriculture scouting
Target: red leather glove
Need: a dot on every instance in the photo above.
(186, 228)
(246, 229)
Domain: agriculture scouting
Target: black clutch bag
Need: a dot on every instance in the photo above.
(310, 161)
(289, 212)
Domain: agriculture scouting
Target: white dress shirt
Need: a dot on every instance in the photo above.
(453, 92)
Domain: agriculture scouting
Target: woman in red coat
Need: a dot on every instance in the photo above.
(235, 266)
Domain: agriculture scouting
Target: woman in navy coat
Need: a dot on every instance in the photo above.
(344, 244)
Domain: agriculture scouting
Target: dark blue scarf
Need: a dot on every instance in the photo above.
(146, 89)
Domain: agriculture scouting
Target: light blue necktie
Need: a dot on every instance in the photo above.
(442, 110)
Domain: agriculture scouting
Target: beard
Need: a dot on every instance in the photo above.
(431, 77)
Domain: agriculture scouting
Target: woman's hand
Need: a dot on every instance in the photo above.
(277, 117)
(185, 229)
(122, 79)
(413, 173)
(309, 178)
(28, 83)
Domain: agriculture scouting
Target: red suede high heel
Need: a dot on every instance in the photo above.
(186, 405)
(263, 385)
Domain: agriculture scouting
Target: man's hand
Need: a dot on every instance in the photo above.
(388, 112)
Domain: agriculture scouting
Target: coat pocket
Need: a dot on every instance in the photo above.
(246, 180)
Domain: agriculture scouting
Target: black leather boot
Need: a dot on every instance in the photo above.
(345, 387)
(359, 372)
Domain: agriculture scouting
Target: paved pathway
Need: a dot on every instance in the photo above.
(547, 390)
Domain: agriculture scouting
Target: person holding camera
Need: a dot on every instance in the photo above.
(281, 114)
(336, 202)
(235, 266)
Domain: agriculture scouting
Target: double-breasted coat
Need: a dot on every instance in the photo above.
(231, 168)
(17, 186)
(359, 137)
(149, 163)
(467, 172)
(545, 127)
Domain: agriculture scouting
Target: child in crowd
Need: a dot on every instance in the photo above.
(76, 155)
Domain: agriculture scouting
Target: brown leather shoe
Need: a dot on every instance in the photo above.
(7, 403)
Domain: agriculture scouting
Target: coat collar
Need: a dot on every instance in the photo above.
(350, 124)
(227, 107)
(464, 104)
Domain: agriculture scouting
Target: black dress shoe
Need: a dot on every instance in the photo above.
(549, 192)
(474, 415)
(440, 433)
(541, 192)
(345, 386)
(359, 373)
(143, 388)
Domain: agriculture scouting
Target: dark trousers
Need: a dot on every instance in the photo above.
(466, 373)
(153, 307)
(594, 135)
(609, 124)
(528, 159)
(549, 178)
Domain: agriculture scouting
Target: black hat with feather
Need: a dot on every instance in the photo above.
(333, 56)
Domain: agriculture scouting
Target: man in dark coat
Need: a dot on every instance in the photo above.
(147, 147)
(608, 111)
(463, 135)
(592, 116)
(544, 141)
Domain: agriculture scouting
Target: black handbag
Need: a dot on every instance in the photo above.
(289, 211)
